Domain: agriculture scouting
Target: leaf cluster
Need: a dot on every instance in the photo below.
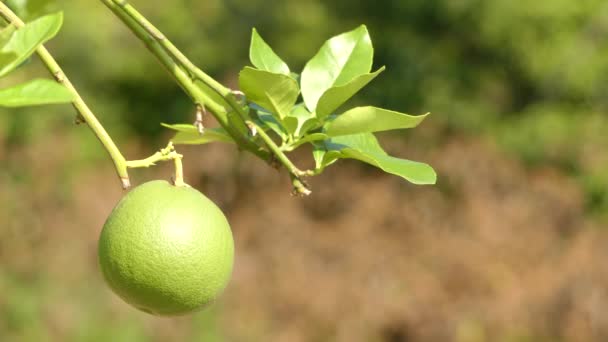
(305, 108)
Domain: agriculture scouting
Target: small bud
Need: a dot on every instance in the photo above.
(79, 120)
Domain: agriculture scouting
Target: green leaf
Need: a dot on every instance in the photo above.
(189, 135)
(24, 41)
(263, 57)
(299, 121)
(35, 92)
(334, 97)
(308, 139)
(6, 33)
(365, 147)
(5, 36)
(271, 122)
(370, 119)
(275, 92)
(318, 154)
(340, 60)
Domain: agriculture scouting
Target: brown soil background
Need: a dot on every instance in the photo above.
(494, 252)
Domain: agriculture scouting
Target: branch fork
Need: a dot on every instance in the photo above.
(185, 74)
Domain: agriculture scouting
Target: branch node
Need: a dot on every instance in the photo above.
(78, 119)
(200, 111)
(59, 76)
(126, 183)
(300, 187)
(274, 162)
(253, 130)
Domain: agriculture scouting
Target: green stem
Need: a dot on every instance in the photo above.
(172, 49)
(165, 154)
(83, 110)
(185, 72)
(154, 32)
(295, 173)
(184, 79)
(299, 187)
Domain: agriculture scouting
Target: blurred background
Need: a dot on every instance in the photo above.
(510, 245)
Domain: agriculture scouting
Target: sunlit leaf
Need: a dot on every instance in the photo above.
(310, 138)
(263, 57)
(276, 93)
(370, 119)
(24, 41)
(189, 135)
(299, 120)
(35, 92)
(365, 147)
(334, 97)
(340, 60)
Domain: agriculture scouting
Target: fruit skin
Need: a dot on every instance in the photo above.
(166, 250)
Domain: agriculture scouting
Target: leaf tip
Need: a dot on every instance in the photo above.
(430, 179)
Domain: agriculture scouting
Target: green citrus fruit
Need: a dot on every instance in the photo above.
(167, 250)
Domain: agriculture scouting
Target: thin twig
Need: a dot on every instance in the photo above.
(183, 78)
(81, 107)
(195, 71)
(296, 173)
(162, 47)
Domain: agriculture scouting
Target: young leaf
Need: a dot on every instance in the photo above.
(299, 120)
(365, 147)
(189, 135)
(263, 57)
(274, 92)
(24, 41)
(334, 97)
(35, 92)
(318, 154)
(340, 60)
(370, 119)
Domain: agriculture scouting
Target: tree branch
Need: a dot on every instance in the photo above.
(296, 174)
(81, 107)
(154, 40)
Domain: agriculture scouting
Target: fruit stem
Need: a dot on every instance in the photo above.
(84, 112)
(165, 154)
(179, 172)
